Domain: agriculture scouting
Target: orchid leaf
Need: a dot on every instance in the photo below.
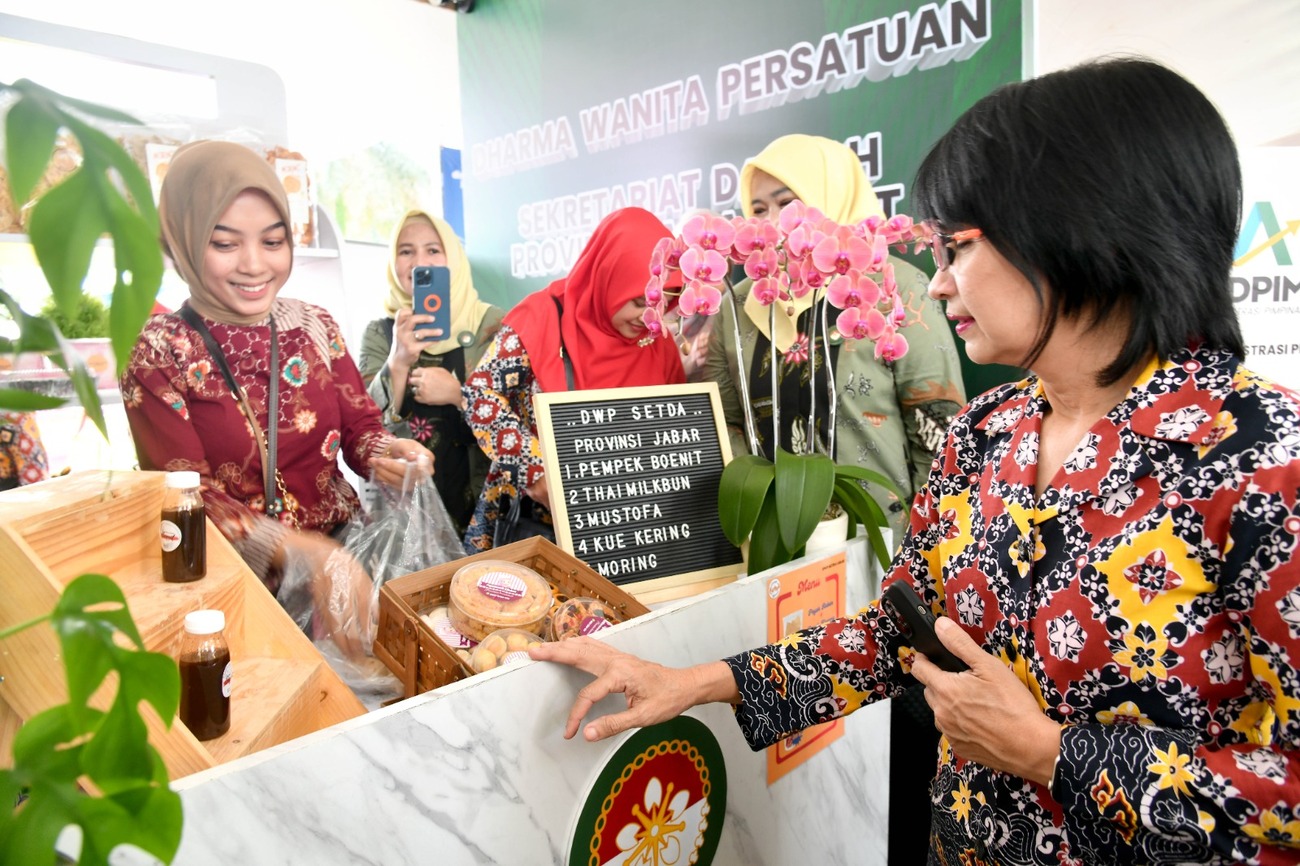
(742, 490)
(804, 484)
(765, 547)
(870, 476)
(865, 510)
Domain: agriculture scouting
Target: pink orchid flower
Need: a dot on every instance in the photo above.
(879, 252)
(654, 290)
(753, 235)
(888, 285)
(699, 297)
(709, 232)
(766, 290)
(861, 323)
(706, 266)
(854, 289)
(897, 228)
(891, 347)
(810, 279)
(762, 263)
(899, 314)
(654, 321)
(841, 250)
(792, 216)
(871, 225)
(659, 256)
(800, 242)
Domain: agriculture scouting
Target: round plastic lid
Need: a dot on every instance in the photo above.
(187, 478)
(205, 621)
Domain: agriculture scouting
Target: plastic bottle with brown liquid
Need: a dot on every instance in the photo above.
(205, 675)
(183, 530)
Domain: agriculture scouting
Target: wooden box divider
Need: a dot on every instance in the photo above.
(408, 646)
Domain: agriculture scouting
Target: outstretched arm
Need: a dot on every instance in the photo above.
(654, 693)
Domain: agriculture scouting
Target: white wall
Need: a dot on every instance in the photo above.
(1244, 54)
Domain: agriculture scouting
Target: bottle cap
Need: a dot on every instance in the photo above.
(205, 621)
(183, 479)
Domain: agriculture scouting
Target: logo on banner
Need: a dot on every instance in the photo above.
(659, 801)
(1262, 216)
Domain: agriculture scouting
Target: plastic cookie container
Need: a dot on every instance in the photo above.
(493, 594)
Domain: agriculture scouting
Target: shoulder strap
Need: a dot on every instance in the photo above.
(265, 444)
(564, 355)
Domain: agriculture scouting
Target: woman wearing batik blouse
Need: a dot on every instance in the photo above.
(1112, 539)
(225, 222)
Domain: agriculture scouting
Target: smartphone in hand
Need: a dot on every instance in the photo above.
(431, 293)
(916, 622)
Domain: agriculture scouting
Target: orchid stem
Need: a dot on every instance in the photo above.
(751, 429)
(813, 439)
(776, 379)
(830, 380)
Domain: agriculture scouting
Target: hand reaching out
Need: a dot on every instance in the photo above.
(342, 594)
(654, 693)
(392, 469)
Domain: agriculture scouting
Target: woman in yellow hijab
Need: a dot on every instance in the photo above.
(415, 374)
(891, 416)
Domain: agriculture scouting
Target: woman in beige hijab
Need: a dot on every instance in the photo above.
(891, 415)
(255, 392)
(414, 374)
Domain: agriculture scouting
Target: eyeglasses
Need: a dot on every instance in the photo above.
(942, 246)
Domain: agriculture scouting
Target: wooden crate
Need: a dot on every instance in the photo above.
(418, 658)
(107, 523)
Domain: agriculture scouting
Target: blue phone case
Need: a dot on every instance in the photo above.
(432, 296)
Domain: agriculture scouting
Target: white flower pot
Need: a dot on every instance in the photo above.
(829, 535)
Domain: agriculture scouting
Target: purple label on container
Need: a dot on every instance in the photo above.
(501, 586)
(448, 634)
(593, 623)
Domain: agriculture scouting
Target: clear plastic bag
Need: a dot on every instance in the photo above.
(337, 602)
(404, 531)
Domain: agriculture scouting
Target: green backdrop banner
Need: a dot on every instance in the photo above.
(573, 108)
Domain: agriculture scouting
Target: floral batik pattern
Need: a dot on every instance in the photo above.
(22, 456)
(1150, 601)
(499, 409)
(184, 416)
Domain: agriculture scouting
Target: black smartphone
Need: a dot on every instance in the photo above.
(916, 622)
(431, 293)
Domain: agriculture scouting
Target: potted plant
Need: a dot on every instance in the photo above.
(86, 328)
(85, 763)
(777, 504)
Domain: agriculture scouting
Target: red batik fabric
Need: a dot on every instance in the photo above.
(183, 416)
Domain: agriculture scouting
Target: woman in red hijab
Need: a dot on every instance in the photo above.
(594, 314)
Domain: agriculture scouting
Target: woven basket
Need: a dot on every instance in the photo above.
(410, 649)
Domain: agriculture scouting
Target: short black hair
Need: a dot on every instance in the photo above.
(1117, 184)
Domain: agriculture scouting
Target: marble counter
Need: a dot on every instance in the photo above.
(477, 772)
